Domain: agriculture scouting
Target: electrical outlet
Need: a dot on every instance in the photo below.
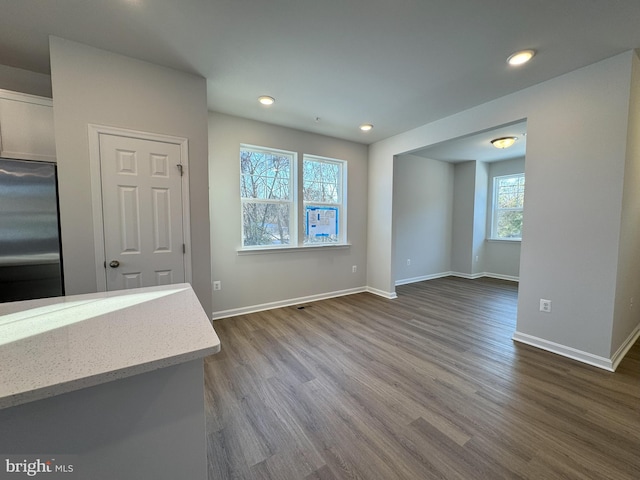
(354, 269)
(217, 285)
(408, 262)
(545, 305)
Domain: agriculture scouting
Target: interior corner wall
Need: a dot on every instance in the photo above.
(464, 192)
(479, 218)
(569, 252)
(502, 257)
(100, 87)
(626, 321)
(24, 81)
(423, 209)
(257, 280)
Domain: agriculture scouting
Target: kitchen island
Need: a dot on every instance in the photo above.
(112, 381)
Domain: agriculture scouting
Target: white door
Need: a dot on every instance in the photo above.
(142, 212)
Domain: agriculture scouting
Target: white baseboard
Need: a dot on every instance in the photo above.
(499, 276)
(382, 293)
(234, 312)
(569, 352)
(625, 347)
(609, 364)
(423, 278)
(468, 276)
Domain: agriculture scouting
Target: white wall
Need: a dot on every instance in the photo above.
(627, 317)
(259, 280)
(422, 213)
(574, 199)
(95, 86)
(479, 218)
(464, 192)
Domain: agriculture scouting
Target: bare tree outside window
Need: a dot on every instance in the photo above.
(322, 193)
(321, 182)
(508, 207)
(266, 189)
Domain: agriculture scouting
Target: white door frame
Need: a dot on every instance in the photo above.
(96, 193)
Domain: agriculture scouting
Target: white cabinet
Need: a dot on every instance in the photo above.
(26, 127)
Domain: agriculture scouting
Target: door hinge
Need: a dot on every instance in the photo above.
(184, 248)
(180, 168)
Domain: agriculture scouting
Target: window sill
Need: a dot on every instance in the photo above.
(504, 240)
(261, 250)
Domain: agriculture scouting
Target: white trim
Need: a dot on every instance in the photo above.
(34, 157)
(504, 240)
(382, 293)
(569, 352)
(343, 195)
(94, 132)
(234, 312)
(423, 278)
(499, 276)
(25, 98)
(495, 209)
(293, 191)
(261, 250)
(468, 276)
(625, 347)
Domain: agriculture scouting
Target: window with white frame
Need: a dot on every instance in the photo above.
(268, 195)
(323, 192)
(271, 210)
(507, 209)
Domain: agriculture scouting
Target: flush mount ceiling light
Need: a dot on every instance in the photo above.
(521, 57)
(266, 100)
(365, 127)
(503, 142)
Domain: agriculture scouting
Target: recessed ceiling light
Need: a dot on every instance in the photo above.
(266, 100)
(365, 127)
(503, 142)
(521, 57)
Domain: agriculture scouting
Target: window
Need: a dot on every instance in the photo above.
(323, 193)
(508, 202)
(272, 207)
(267, 190)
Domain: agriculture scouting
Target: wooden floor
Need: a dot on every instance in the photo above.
(426, 386)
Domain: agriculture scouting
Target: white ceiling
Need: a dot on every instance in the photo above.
(396, 64)
(478, 146)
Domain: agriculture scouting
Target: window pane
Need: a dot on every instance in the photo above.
(508, 203)
(322, 192)
(321, 181)
(509, 224)
(265, 224)
(510, 192)
(265, 175)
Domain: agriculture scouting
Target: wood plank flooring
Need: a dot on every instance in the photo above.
(427, 386)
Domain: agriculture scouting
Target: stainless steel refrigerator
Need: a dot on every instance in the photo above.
(30, 258)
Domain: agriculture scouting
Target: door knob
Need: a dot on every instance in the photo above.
(114, 263)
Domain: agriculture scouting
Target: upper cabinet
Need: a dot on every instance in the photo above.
(26, 127)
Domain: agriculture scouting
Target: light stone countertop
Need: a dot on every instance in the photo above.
(57, 345)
